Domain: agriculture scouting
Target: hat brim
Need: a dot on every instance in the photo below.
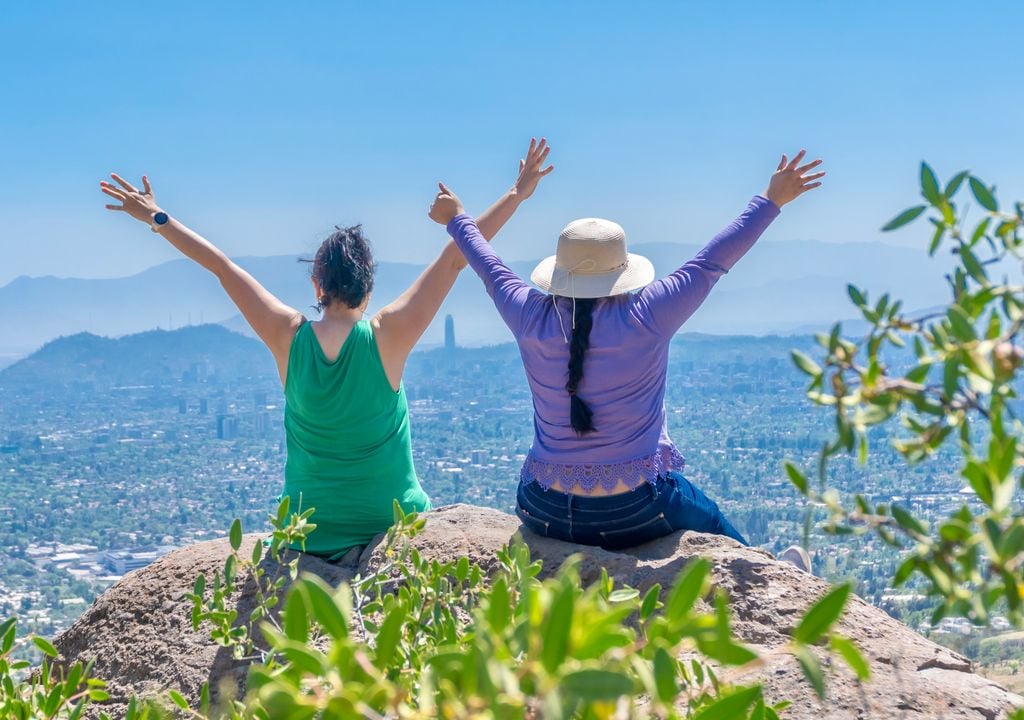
(548, 277)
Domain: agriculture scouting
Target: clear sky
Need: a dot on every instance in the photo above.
(263, 124)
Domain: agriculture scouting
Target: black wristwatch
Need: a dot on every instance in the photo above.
(160, 219)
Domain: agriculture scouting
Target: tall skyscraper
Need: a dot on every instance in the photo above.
(449, 333)
(227, 427)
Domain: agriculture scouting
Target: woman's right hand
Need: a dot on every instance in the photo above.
(139, 204)
(446, 205)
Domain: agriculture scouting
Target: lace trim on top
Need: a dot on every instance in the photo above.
(633, 473)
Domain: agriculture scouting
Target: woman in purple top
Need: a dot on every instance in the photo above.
(594, 342)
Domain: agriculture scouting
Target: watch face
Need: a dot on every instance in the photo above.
(160, 218)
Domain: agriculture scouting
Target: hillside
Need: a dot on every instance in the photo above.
(151, 357)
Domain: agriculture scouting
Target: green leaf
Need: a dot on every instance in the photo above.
(665, 671)
(851, 655)
(908, 522)
(650, 601)
(282, 510)
(919, 373)
(930, 185)
(796, 477)
(595, 685)
(960, 323)
(908, 215)
(462, 569)
(296, 621)
(812, 669)
(257, 552)
(235, 535)
(820, 618)
(178, 699)
(973, 267)
(980, 230)
(557, 628)
(305, 658)
(904, 571)
(45, 646)
(623, 595)
(856, 295)
(7, 634)
(803, 362)
(980, 481)
(954, 184)
(940, 232)
(325, 606)
(389, 635)
(691, 585)
(731, 706)
(983, 195)
(498, 610)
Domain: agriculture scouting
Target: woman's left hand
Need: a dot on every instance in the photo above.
(531, 169)
(791, 180)
(446, 205)
(139, 204)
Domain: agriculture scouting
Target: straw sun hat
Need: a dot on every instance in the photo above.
(591, 262)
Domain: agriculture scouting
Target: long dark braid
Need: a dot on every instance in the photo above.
(580, 414)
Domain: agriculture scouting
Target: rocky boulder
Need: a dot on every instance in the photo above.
(140, 635)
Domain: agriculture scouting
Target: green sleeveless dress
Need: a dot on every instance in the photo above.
(349, 450)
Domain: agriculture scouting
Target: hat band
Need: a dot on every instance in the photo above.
(591, 271)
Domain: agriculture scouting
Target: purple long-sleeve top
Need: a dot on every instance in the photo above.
(625, 367)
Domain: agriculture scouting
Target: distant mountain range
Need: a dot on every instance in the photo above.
(780, 287)
(212, 352)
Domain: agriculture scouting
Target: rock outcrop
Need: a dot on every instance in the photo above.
(139, 632)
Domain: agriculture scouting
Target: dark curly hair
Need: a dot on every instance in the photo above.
(344, 268)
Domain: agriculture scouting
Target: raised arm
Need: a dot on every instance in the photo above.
(399, 325)
(667, 303)
(274, 322)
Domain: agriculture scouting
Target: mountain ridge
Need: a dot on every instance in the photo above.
(778, 287)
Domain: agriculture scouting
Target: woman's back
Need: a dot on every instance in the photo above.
(349, 451)
(623, 384)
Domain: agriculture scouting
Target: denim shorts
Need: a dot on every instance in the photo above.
(655, 509)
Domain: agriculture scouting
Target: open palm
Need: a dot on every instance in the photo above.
(531, 168)
(791, 179)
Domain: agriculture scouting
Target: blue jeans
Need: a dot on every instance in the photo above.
(653, 510)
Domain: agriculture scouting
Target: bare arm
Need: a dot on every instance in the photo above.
(274, 322)
(399, 325)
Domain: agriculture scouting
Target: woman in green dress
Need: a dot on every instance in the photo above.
(346, 416)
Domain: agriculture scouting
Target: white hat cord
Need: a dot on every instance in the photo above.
(572, 292)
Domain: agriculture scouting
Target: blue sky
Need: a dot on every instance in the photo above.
(264, 124)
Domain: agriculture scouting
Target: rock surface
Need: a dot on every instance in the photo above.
(139, 632)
